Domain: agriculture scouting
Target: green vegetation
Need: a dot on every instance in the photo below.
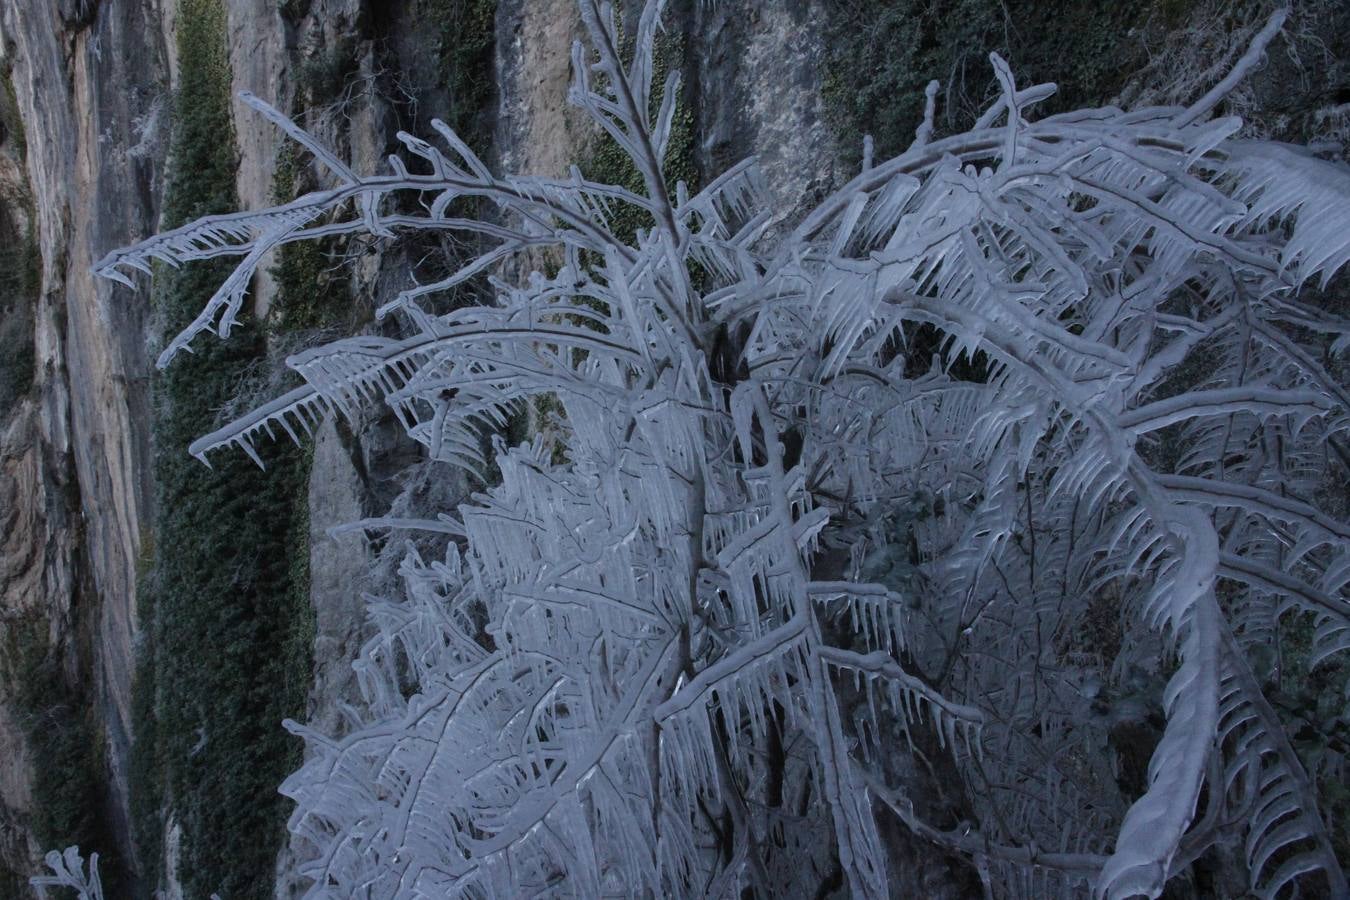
(226, 625)
(466, 37)
(66, 748)
(882, 54)
(70, 778)
(312, 291)
(607, 162)
(12, 884)
(18, 290)
(20, 262)
(20, 265)
(11, 126)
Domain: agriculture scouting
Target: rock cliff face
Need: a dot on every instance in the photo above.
(758, 71)
(93, 84)
(90, 86)
(22, 488)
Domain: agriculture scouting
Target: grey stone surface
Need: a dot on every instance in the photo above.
(90, 81)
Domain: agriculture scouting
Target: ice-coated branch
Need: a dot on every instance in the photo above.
(1248, 61)
(1019, 434)
(68, 872)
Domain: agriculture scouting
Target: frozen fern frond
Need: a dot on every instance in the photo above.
(961, 522)
(68, 872)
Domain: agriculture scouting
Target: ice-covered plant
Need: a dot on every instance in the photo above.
(68, 872)
(784, 589)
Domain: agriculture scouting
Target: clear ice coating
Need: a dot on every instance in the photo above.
(702, 639)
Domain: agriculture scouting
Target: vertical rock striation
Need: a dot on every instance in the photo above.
(757, 69)
(89, 80)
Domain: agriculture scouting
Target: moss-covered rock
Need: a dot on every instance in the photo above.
(225, 619)
(20, 261)
(607, 163)
(466, 37)
(883, 54)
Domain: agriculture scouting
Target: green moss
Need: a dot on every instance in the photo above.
(68, 775)
(203, 163)
(225, 612)
(312, 291)
(607, 162)
(17, 355)
(20, 269)
(466, 37)
(882, 54)
(66, 746)
(11, 124)
(297, 651)
(20, 265)
(465, 42)
(147, 765)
